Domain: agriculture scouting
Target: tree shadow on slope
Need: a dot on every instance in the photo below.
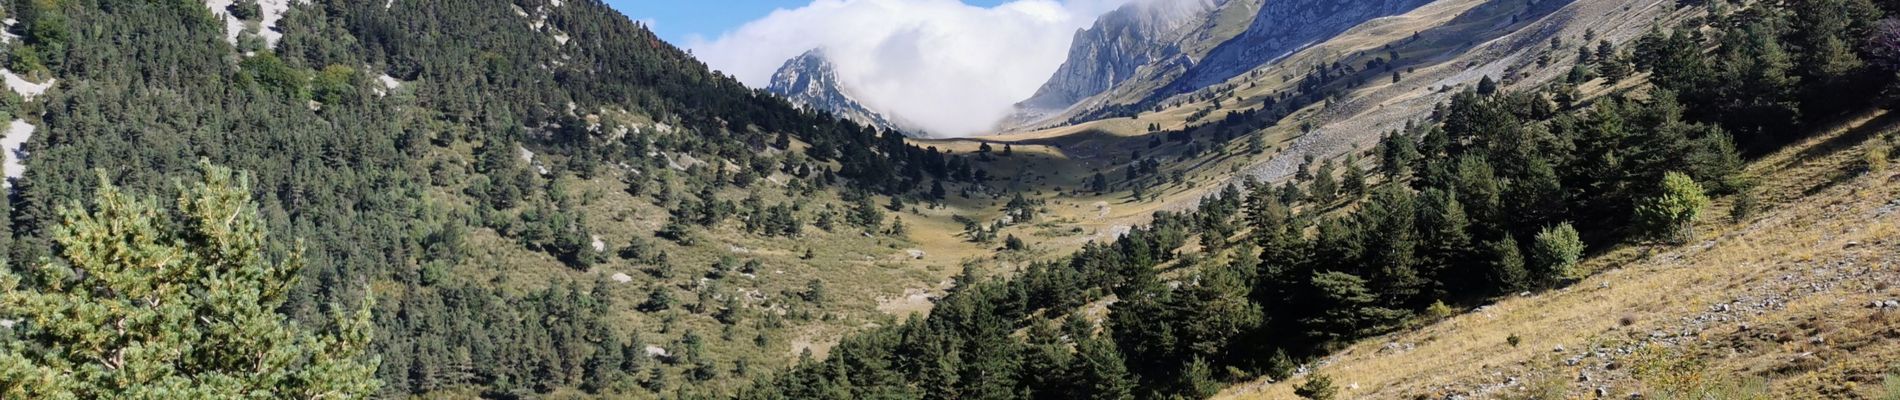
(1833, 147)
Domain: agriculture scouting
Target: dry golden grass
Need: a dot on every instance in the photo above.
(1816, 259)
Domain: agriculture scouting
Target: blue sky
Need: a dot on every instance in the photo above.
(677, 20)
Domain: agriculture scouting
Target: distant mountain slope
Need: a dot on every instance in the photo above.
(811, 81)
(1121, 42)
(1230, 40)
(1191, 41)
(1281, 28)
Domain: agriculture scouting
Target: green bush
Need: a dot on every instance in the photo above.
(334, 84)
(1555, 252)
(273, 74)
(1439, 311)
(1890, 387)
(1671, 215)
(1746, 203)
(1317, 387)
(1875, 158)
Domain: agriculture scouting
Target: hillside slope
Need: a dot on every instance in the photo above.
(1189, 43)
(1282, 28)
(1794, 302)
(1236, 39)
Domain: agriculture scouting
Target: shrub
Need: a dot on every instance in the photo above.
(272, 73)
(1671, 215)
(1507, 265)
(1438, 311)
(657, 300)
(334, 84)
(1014, 244)
(1745, 206)
(814, 291)
(677, 232)
(1317, 387)
(1555, 253)
(1199, 380)
(1280, 366)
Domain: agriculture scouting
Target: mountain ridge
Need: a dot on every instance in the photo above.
(1281, 29)
(811, 81)
(1273, 31)
(1135, 36)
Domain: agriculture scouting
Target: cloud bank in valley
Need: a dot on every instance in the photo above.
(942, 65)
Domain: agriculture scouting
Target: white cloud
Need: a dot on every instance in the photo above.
(949, 67)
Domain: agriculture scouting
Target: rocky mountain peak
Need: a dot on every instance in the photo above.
(1114, 48)
(811, 81)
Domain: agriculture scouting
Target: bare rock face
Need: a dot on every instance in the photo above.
(810, 81)
(1120, 43)
(1281, 28)
(1151, 50)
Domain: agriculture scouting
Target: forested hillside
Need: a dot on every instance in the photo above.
(1495, 193)
(541, 199)
(449, 159)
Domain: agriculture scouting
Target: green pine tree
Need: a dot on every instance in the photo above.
(1100, 372)
(1317, 387)
(140, 304)
(1506, 269)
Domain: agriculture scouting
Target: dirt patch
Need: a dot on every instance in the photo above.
(913, 301)
(817, 343)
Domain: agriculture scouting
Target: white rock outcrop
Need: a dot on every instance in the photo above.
(18, 132)
(273, 11)
(26, 88)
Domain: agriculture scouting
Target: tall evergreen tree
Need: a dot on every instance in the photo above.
(1506, 266)
(1446, 242)
(1100, 371)
(1392, 247)
(1343, 308)
(1215, 310)
(144, 305)
(1758, 83)
(1829, 33)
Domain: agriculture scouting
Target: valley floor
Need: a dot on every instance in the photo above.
(1795, 302)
